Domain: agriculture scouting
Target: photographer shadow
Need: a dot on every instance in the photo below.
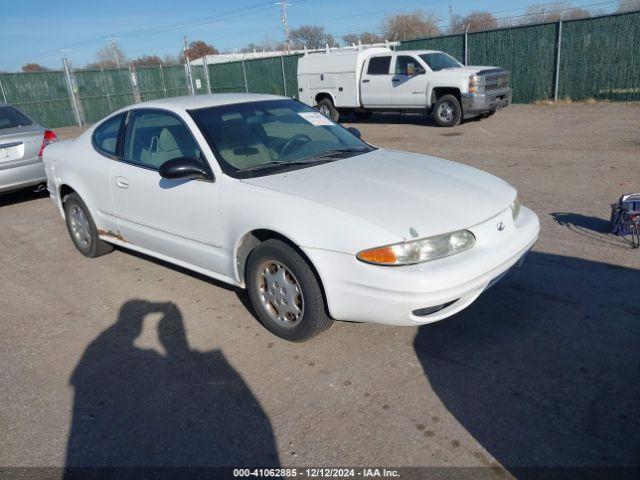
(138, 408)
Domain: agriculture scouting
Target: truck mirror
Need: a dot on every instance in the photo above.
(355, 132)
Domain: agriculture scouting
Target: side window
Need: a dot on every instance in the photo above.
(153, 137)
(105, 137)
(379, 65)
(406, 65)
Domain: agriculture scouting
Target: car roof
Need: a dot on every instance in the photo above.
(193, 102)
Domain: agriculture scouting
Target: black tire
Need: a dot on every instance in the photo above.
(89, 244)
(447, 111)
(270, 256)
(362, 114)
(326, 107)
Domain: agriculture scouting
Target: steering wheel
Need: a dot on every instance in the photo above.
(298, 137)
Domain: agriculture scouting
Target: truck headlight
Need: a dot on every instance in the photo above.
(515, 208)
(473, 84)
(418, 251)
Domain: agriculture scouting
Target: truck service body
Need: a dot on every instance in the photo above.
(366, 79)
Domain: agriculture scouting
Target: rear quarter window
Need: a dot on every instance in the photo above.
(12, 118)
(105, 137)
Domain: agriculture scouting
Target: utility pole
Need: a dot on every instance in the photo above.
(285, 22)
(114, 50)
(188, 66)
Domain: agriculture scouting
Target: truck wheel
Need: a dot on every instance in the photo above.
(447, 111)
(285, 293)
(325, 107)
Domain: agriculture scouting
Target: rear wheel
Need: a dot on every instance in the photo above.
(285, 293)
(326, 107)
(82, 230)
(447, 111)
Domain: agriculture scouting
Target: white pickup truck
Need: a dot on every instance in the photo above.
(364, 80)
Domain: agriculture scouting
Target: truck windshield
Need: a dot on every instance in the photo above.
(439, 61)
(12, 118)
(271, 135)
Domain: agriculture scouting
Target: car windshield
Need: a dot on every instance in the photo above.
(273, 134)
(12, 118)
(438, 61)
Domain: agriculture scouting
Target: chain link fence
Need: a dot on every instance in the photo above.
(592, 58)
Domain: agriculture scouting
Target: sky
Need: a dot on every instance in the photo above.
(44, 31)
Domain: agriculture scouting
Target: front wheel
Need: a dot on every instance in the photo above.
(447, 111)
(285, 293)
(326, 107)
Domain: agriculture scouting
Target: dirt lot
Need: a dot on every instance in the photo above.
(542, 371)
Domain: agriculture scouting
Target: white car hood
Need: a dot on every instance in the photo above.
(400, 192)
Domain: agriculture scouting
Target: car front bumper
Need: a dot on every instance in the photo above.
(361, 292)
(19, 174)
(479, 103)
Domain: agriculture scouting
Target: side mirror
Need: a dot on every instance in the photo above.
(183, 168)
(355, 132)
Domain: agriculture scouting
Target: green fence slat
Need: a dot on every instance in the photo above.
(600, 58)
(199, 79)
(175, 78)
(291, 74)
(451, 44)
(150, 83)
(43, 96)
(527, 52)
(226, 77)
(264, 75)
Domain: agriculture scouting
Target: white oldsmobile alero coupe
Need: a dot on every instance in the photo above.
(265, 193)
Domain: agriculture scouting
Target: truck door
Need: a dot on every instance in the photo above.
(375, 84)
(409, 82)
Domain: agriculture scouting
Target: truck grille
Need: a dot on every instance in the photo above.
(496, 81)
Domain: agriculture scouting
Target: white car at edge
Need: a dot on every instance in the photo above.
(265, 193)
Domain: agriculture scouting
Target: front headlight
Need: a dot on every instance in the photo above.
(473, 84)
(418, 251)
(515, 208)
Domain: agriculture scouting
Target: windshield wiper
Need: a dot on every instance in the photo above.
(271, 163)
(324, 157)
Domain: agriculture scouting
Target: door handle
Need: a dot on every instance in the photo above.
(366, 80)
(122, 182)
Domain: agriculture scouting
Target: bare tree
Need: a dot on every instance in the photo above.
(364, 38)
(312, 37)
(546, 13)
(106, 58)
(170, 60)
(34, 67)
(198, 49)
(628, 5)
(406, 26)
(475, 21)
(147, 61)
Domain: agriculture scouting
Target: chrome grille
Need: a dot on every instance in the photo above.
(496, 81)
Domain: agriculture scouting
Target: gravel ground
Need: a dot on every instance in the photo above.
(124, 360)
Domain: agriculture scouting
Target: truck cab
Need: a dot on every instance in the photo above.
(408, 81)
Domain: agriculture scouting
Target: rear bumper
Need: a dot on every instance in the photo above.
(357, 291)
(479, 103)
(16, 175)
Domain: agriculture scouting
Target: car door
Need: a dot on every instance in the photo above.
(179, 219)
(409, 82)
(375, 84)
